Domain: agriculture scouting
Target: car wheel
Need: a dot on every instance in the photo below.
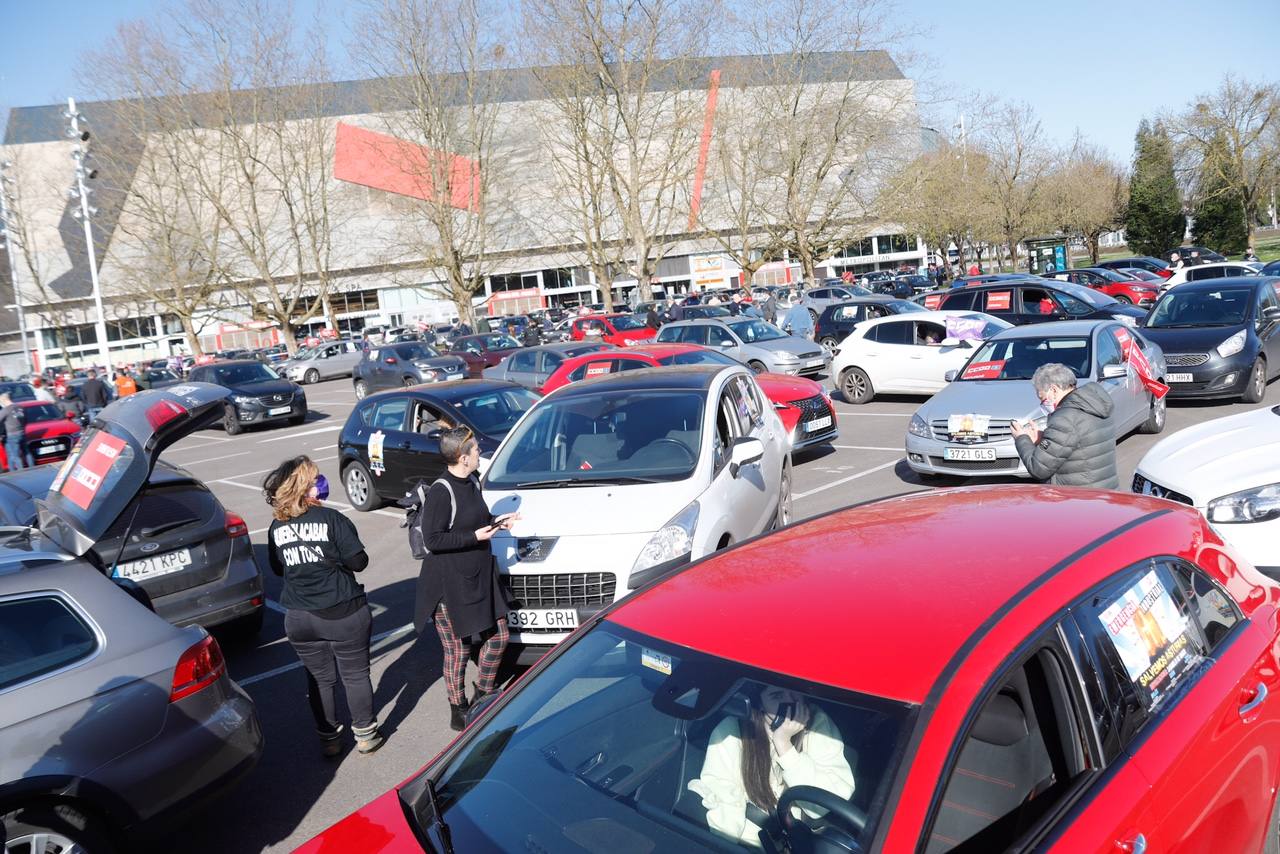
(784, 515)
(829, 344)
(814, 315)
(408, 381)
(1121, 298)
(311, 377)
(362, 389)
(855, 385)
(231, 422)
(1155, 419)
(758, 367)
(58, 829)
(358, 483)
(1257, 387)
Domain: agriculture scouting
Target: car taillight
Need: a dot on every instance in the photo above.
(1165, 273)
(162, 412)
(235, 526)
(198, 668)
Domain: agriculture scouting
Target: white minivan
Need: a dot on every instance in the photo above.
(624, 478)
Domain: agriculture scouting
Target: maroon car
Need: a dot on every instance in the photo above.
(482, 351)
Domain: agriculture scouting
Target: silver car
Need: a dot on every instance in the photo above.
(759, 345)
(965, 429)
(531, 367)
(818, 298)
(113, 723)
(323, 362)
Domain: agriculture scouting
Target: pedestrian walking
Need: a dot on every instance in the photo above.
(125, 384)
(42, 392)
(317, 552)
(15, 435)
(95, 395)
(770, 308)
(458, 586)
(735, 304)
(651, 319)
(796, 319)
(1078, 444)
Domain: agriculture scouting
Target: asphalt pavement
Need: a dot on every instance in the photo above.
(293, 793)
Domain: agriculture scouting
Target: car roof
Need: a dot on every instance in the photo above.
(691, 377)
(704, 321)
(1056, 329)
(220, 363)
(935, 315)
(448, 391)
(1214, 284)
(873, 299)
(563, 346)
(824, 599)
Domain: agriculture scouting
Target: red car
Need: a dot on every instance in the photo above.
(482, 351)
(620, 330)
(981, 669)
(50, 433)
(802, 404)
(1122, 287)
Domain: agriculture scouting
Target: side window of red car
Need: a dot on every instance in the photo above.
(1211, 609)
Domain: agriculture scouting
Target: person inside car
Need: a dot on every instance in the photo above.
(783, 741)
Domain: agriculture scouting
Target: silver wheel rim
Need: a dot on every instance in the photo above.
(784, 503)
(312, 376)
(43, 842)
(1259, 380)
(360, 391)
(1158, 410)
(854, 385)
(829, 344)
(357, 486)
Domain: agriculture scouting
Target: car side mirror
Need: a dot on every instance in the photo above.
(435, 434)
(950, 376)
(745, 451)
(726, 343)
(1114, 372)
(1271, 313)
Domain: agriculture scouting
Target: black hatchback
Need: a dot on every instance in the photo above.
(1033, 300)
(837, 321)
(391, 440)
(258, 394)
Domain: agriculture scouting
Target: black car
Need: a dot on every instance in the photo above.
(18, 391)
(837, 321)
(1220, 338)
(405, 364)
(157, 378)
(391, 440)
(1271, 269)
(258, 394)
(1138, 262)
(695, 312)
(1206, 255)
(907, 285)
(1030, 299)
(188, 553)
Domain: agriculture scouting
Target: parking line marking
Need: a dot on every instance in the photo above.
(303, 433)
(842, 480)
(378, 641)
(212, 459)
(865, 448)
(264, 471)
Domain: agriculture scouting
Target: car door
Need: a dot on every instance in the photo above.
(324, 361)
(1196, 676)
(1268, 329)
(885, 360)
(548, 362)
(346, 356)
(422, 459)
(1123, 390)
(391, 460)
(732, 500)
(385, 368)
(929, 362)
(719, 338)
(521, 367)
(1035, 305)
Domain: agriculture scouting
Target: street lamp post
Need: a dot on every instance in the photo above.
(6, 229)
(80, 155)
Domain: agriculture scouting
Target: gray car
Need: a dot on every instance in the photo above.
(532, 366)
(761, 346)
(406, 364)
(323, 362)
(816, 299)
(965, 429)
(113, 722)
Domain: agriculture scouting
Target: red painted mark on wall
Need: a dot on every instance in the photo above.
(384, 162)
(708, 122)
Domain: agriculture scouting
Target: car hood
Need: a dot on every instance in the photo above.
(262, 388)
(1126, 310)
(790, 344)
(1218, 457)
(115, 457)
(1000, 399)
(783, 387)
(1194, 339)
(441, 362)
(592, 510)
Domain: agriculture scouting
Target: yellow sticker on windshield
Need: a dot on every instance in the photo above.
(655, 661)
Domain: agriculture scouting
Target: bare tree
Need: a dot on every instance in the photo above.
(1019, 162)
(1086, 195)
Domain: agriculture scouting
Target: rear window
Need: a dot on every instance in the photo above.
(38, 635)
(162, 508)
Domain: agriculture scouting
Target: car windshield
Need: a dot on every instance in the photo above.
(753, 331)
(240, 374)
(698, 357)
(43, 412)
(416, 351)
(902, 306)
(630, 436)
(305, 353)
(495, 413)
(1219, 307)
(1114, 275)
(627, 321)
(625, 737)
(18, 391)
(1018, 358)
(500, 342)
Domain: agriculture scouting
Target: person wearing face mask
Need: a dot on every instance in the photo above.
(458, 586)
(317, 552)
(1078, 444)
(784, 741)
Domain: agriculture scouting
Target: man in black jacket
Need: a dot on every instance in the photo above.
(94, 394)
(1078, 444)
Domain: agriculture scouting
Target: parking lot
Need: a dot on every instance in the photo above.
(294, 793)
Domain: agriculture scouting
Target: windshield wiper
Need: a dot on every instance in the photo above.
(556, 483)
(446, 839)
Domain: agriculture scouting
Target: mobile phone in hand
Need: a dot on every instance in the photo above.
(785, 711)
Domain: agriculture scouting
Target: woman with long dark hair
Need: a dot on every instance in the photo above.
(785, 741)
(317, 552)
(458, 586)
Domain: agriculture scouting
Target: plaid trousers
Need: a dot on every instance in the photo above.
(456, 652)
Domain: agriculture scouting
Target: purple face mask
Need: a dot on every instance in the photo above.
(322, 487)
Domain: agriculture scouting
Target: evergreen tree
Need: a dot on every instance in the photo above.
(1219, 218)
(1154, 223)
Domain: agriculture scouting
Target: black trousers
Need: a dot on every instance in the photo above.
(330, 649)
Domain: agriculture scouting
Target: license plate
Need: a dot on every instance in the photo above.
(1179, 378)
(45, 450)
(969, 454)
(543, 618)
(279, 410)
(813, 363)
(817, 424)
(157, 565)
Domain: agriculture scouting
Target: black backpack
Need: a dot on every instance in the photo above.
(412, 504)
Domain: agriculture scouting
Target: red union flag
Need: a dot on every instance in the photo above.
(1133, 355)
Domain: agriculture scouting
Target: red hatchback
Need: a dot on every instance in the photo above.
(1123, 287)
(802, 404)
(982, 669)
(50, 433)
(620, 330)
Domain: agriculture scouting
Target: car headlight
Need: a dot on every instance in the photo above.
(1232, 345)
(673, 540)
(1250, 505)
(1123, 318)
(919, 427)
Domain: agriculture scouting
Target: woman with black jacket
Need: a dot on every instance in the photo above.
(317, 552)
(458, 586)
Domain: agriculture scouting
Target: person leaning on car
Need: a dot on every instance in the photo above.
(1078, 444)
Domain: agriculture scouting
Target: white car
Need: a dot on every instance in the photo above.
(905, 353)
(1218, 270)
(622, 479)
(1229, 470)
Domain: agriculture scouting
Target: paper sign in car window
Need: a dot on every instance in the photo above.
(932, 301)
(655, 660)
(965, 328)
(984, 370)
(595, 369)
(90, 470)
(998, 300)
(1150, 635)
(968, 426)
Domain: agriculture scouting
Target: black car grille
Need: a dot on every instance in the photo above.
(1185, 360)
(276, 399)
(1143, 486)
(562, 589)
(996, 430)
(816, 354)
(999, 464)
(813, 407)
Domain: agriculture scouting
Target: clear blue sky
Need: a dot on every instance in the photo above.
(1095, 66)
